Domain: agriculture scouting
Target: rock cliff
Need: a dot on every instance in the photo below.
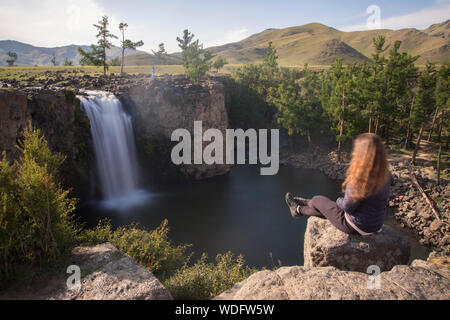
(158, 107)
(59, 117)
(161, 106)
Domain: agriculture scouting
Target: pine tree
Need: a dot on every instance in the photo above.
(335, 97)
(377, 86)
(443, 101)
(442, 97)
(196, 60)
(35, 212)
(219, 63)
(362, 95)
(97, 55)
(12, 58)
(127, 44)
(426, 102)
(271, 57)
(67, 62)
(92, 57)
(400, 72)
(161, 54)
(53, 61)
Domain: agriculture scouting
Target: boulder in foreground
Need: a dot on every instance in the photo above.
(325, 246)
(114, 277)
(420, 281)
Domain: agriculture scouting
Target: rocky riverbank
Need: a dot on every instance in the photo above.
(412, 210)
(407, 204)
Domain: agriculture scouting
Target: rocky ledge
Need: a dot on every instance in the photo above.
(420, 281)
(335, 268)
(111, 276)
(327, 247)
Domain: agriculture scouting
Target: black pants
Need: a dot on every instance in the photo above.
(325, 208)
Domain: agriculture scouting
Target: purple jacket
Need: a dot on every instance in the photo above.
(367, 214)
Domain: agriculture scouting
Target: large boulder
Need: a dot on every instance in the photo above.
(420, 281)
(326, 246)
(112, 277)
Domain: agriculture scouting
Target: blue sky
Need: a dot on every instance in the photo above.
(62, 22)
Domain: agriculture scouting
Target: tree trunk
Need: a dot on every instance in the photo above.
(104, 56)
(439, 165)
(433, 124)
(424, 195)
(377, 123)
(387, 133)
(440, 129)
(123, 61)
(342, 126)
(416, 149)
(408, 133)
(370, 119)
(123, 53)
(291, 143)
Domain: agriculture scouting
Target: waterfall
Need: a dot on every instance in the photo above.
(114, 145)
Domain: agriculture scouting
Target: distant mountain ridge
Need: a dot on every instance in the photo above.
(313, 43)
(29, 55)
(318, 44)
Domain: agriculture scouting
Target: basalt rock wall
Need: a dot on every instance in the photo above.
(161, 106)
(58, 115)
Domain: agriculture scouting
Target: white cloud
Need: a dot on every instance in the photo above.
(51, 23)
(229, 37)
(420, 20)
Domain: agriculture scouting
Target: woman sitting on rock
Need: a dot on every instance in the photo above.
(367, 189)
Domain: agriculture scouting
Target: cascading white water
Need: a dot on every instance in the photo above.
(114, 145)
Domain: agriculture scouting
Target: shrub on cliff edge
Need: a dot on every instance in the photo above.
(36, 227)
(205, 280)
(151, 249)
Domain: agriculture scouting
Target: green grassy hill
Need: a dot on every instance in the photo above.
(318, 44)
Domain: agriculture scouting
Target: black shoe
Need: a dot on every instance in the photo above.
(294, 203)
(302, 201)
